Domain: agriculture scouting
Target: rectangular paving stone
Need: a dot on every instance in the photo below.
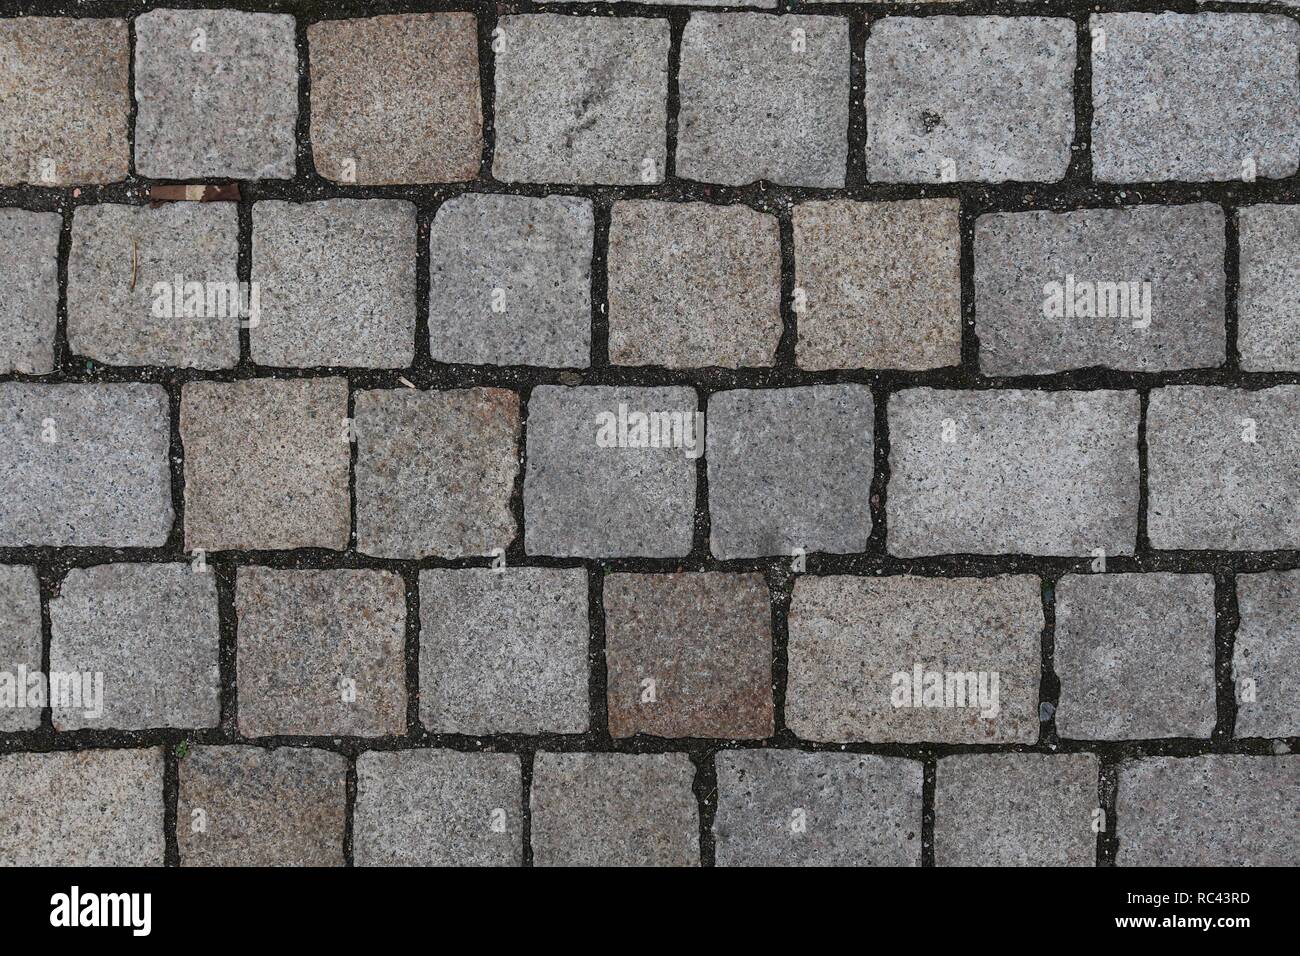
(64, 117)
(790, 468)
(693, 285)
(395, 99)
(1266, 655)
(151, 631)
(266, 464)
(125, 303)
(435, 471)
(604, 478)
(1015, 810)
(964, 98)
(1214, 810)
(1135, 656)
(1140, 288)
(1222, 468)
(877, 284)
(764, 97)
(581, 100)
(92, 808)
(786, 808)
(84, 465)
(1208, 96)
(246, 806)
(438, 808)
(20, 647)
(337, 283)
(614, 810)
(1012, 471)
(504, 653)
(689, 655)
(905, 659)
(510, 281)
(321, 652)
(1268, 301)
(29, 300)
(216, 94)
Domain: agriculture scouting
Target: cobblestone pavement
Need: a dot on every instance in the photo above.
(610, 433)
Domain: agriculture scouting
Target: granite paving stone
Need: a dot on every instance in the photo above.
(29, 300)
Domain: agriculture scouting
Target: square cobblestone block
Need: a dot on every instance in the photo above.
(266, 464)
(907, 659)
(790, 468)
(581, 100)
(878, 284)
(630, 810)
(786, 808)
(1015, 810)
(689, 655)
(693, 285)
(435, 471)
(29, 299)
(1209, 96)
(1268, 304)
(438, 808)
(1012, 472)
(216, 94)
(958, 98)
(1138, 289)
(764, 97)
(245, 806)
(337, 283)
(395, 99)
(20, 647)
(84, 465)
(125, 306)
(510, 281)
(151, 631)
(597, 483)
(504, 653)
(1267, 655)
(321, 652)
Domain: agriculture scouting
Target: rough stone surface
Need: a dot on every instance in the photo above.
(504, 652)
(1268, 303)
(786, 808)
(20, 644)
(704, 640)
(29, 299)
(1267, 652)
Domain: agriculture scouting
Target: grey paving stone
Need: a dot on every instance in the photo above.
(435, 471)
(510, 281)
(859, 647)
(123, 293)
(1140, 289)
(786, 808)
(395, 99)
(1025, 472)
(151, 631)
(1267, 654)
(790, 468)
(1194, 97)
(581, 100)
(614, 810)
(20, 647)
(878, 284)
(1015, 810)
(1211, 485)
(1215, 810)
(266, 464)
(1135, 655)
(438, 808)
(64, 115)
(245, 806)
(84, 465)
(504, 653)
(954, 98)
(321, 652)
(764, 97)
(93, 808)
(596, 485)
(216, 94)
(29, 299)
(1268, 303)
(337, 283)
(689, 655)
